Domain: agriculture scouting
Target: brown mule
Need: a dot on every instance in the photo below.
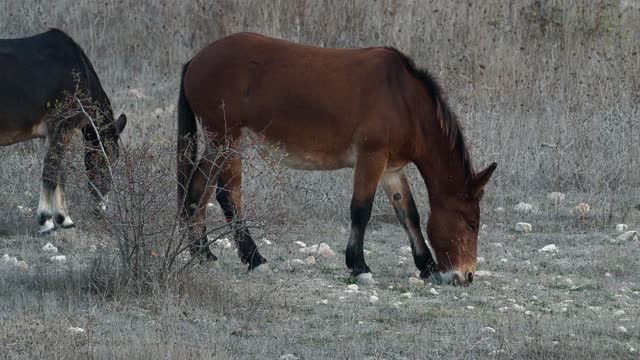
(326, 109)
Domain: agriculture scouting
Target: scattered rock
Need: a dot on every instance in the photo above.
(469, 307)
(551, 248)
(223, 243)
(607, 274)
(158, 111)
(523, 207)
(324, 301)
(59, 258)
(265, 241)
(504, 260)
(310, 260)
(325, 250)
(406, 250)
(11, 260)
(262, 269)
(433, 291)
(499, 209)
(503, 309)
(415, 281)
(22, 265)
(628, 236)
(488, 329)
(483, 273)
(310, 250)
(406, 295)
(49, 248)
(555, 198)
(288, 357)
(373, 299)
(619, 313)
(365, 278)
(353, 287)
(582, 209)
(75, 330)
(297, 264)
(499, 245)
(300, 243)
(343, 230)
(517, 307)
(622, 329)
(621, 228)
(480, 259)
(523, 227)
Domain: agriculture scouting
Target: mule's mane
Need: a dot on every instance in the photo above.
(451, 127)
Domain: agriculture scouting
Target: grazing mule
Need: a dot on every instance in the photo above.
(370, 109)
(40, 76)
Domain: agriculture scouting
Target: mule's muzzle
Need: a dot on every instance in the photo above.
(456, 278)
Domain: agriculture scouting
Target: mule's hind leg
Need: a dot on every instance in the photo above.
(368, 170)
(229, 196)
(399, 193)
(195, 205)
(60, 210)
(51, 176)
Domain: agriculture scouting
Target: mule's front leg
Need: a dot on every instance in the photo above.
(398, 191)
(369, 168)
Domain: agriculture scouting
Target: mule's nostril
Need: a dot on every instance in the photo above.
(470, 277)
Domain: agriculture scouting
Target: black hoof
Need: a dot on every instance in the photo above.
(360, 270)
(71, 226)
(255, 261)
(426, 273)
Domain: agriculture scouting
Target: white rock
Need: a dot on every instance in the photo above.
(365, 278)
(406, 295)
(158, 111)
(499, 209)
(523, 227)
(75, 330)
(263, 268)
(498, 245)
(22, 265)
(517, 307)
(310, 250)
(48, 247)
(551, 248)
(366, 252)
(628, 236)
(555, 198)
(300, 243)
(503, 309)
(469, 307)
(415, 281)
(433, 291)
(266, 241)
(297, 264)
(523, 207)
(488, 329)
(621, 228)
(483, 273)
(138, 93)
(632, 350)
(288, 357)
(619, 313)
(310, 260)
(373, 299)
(211, 204)
(353, 287)
(527, 312)
(11, 260)
(622, 329)
(406, 251)
(325, 250)
(343, 230)
(582, 209)
(324, 301)
(223, 243)
(59, 258)
(480, 260)
(504, 260)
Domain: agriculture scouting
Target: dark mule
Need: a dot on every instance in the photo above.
(39, 76)
(326, 109)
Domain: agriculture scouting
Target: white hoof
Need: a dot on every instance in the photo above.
(365, 278)
(262, 269)
(47, 228)
(67, 223)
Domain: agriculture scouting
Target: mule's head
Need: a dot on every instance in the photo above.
(105, 142)
(453, 230)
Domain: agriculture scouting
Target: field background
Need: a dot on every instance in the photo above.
(548, 89)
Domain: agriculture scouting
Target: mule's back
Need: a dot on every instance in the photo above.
(35, 73)
(316, 101)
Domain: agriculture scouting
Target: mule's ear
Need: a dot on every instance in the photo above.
(476, 187)
(120, 123)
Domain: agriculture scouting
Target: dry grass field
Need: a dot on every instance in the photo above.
(548, 89)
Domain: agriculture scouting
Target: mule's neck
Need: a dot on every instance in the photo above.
(441, 160)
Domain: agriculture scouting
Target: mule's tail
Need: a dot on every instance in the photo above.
(187, 141)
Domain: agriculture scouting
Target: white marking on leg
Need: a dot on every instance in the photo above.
(60, 207)
(47, 227)
(44, 206)
(262, 269)
(365, 278)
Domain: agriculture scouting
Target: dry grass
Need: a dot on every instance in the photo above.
(548, 89)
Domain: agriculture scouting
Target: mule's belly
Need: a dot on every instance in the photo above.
(300, 158)
(13, 136)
